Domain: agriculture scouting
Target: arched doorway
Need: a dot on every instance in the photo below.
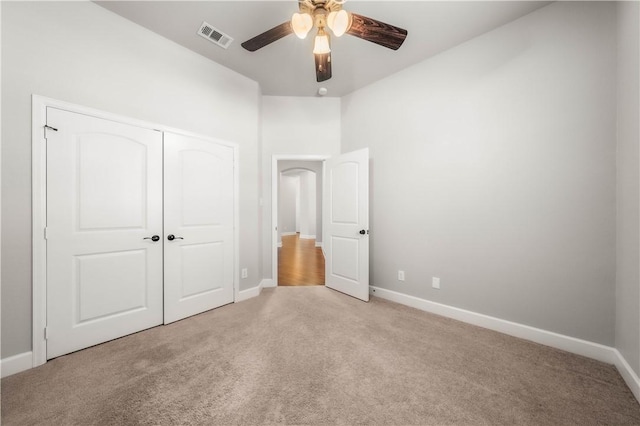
(299, 255)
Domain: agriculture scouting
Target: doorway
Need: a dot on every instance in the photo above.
(300, 258)
(297, 189)
(345, 218)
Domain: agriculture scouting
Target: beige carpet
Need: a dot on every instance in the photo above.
(309, 355)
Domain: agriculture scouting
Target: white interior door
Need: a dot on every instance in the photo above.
(104, 203)
(199, 226)
(346, 239)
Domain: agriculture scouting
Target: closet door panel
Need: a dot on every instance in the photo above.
(104, 203)
(199, 226)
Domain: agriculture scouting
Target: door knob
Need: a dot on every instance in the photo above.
(172, 237)
(154, 238)
(362, 232)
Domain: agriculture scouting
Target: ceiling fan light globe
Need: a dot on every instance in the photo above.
(301, 23)
(339, 22)
(321, 44)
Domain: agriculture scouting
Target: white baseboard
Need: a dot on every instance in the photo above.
(307, 237)
(249, 293)
(267, 282)
(318, 244)
(15, 364)
(559, 341)
(254, 291)
(630, 377)
(593, 350)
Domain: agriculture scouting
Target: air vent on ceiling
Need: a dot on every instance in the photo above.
(214, 35)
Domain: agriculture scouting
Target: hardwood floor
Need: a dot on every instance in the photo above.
(300, 262)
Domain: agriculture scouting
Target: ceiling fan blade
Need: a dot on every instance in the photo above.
(268, 37)
(377, 32)
(323, 66)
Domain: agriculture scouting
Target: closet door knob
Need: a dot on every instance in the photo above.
(154, 238)
(172, 237)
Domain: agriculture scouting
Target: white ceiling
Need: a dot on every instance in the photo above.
(286, 67)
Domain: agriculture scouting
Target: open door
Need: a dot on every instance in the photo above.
(346, 239)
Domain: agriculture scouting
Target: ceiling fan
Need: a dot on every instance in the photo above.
(329, 13)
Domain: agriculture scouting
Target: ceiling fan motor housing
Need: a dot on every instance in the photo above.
(320, 18)
(309, 6)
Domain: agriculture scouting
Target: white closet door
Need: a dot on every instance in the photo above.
(104, 199)
(199, 215)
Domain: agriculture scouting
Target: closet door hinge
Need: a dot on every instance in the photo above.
(46, 333)
(47, 129)
(46, 233)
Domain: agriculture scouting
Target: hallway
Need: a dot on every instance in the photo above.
(300, 262)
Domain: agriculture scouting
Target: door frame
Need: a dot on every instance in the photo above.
(275, 178)
(39, 106)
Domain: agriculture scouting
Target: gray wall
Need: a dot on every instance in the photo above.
(504, 186)
(307, 204)
(628, 185)
(287, 193)
(81, 53)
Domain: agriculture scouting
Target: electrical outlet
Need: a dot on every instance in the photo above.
(435, 282)
(245, 273)
(400, 275)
